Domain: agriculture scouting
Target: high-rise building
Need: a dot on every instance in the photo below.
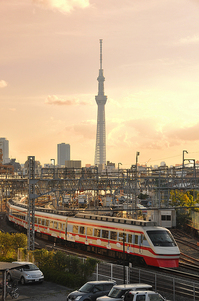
(100, 149)
(4, 145)
(63, 153)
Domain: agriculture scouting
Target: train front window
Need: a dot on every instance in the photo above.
(161, 238)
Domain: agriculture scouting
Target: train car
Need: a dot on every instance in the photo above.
(47, 222)
(137, 240)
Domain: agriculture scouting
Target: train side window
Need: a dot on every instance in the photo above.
(82, 230)
(130, 238)
(89, 231)
(75, 229)
(35, 220)
(105, 233)
(39, 221)
(43, 222)
(51, 224)
(70, 228)
(97, 232)
(47, 223)
(136, 240)
(55, 225)
(120, 237)
(113, 235)
(60, 226)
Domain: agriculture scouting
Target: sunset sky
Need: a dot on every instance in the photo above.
(49, 64)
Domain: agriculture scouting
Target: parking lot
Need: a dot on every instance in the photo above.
(45, 291)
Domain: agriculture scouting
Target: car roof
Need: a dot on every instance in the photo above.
(132, 285)
(101, 281)
(142, 292)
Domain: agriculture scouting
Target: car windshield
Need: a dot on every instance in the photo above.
(116, 293)
(155, 297)
(161, 238)
(86, 288)
(30, 267)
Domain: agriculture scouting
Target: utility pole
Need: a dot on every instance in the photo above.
(136, 182)
(31, 203)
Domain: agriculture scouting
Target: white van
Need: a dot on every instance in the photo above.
(118, 291)
(27, 272)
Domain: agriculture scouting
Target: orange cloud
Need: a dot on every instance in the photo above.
(185, 134)
(3, 84)
(63, 6)
(85, 129)
(54, 100)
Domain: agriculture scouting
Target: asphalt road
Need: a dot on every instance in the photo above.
(45, 291)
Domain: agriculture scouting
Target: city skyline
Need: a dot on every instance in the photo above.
(49, 59)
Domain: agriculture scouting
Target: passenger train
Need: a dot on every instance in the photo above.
(140, 240)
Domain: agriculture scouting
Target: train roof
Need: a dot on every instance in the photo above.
(93, 217)
(117, 220)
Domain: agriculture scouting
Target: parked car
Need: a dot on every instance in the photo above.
(27, 272)
(91, 290)
(143, 296)
(118, 291)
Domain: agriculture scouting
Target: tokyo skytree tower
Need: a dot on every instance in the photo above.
(100, 149)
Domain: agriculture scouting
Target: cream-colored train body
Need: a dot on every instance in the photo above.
(104, 235)
(45, 222)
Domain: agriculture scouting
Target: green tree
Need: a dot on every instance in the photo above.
(184, 200)
(19, 240)
(5, 244)
(9, 243)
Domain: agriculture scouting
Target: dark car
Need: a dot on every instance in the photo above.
(91, 290)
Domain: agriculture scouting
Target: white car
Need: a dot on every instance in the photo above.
(143, 296)
(118, 291)
(27, 272)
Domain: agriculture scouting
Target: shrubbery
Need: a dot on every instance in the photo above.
(61, 268)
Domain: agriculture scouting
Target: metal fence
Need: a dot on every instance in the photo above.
(170, 287)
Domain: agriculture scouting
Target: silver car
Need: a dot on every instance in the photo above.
(27, 272)
(118, 291)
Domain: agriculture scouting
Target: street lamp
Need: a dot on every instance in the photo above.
(184, 151)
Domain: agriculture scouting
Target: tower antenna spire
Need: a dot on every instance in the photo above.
(100, 53)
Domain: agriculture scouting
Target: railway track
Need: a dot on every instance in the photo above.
(189, 251)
